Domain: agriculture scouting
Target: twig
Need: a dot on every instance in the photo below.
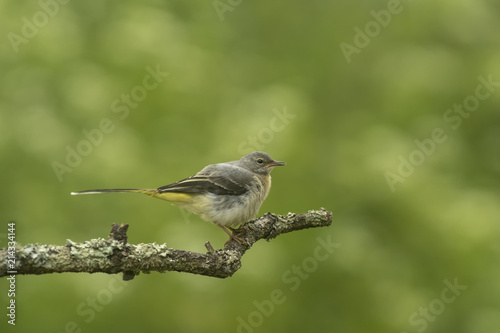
(115, 255)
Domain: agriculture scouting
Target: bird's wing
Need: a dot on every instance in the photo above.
(222, 179)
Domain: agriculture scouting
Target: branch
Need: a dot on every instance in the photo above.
(115, 255)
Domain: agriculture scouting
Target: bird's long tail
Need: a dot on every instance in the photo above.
(144, 191)
(173, 197)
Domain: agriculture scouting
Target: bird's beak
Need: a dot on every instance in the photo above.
(276, 163)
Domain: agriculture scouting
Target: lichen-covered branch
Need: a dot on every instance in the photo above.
(115, 255)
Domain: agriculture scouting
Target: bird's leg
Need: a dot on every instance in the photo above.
(237, 230)
(233, 236)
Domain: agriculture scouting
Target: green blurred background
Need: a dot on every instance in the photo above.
(347, 119)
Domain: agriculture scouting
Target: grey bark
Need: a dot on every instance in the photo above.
(115, 255)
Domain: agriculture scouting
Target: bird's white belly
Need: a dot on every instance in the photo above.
(229, 210)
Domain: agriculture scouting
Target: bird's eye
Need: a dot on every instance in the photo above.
(260, 161)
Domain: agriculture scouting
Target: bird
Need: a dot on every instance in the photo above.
(226, 194)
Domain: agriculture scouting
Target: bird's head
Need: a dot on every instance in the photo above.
(259, 162)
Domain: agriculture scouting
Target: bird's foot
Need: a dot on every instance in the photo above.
(236, 238)
(232, 235)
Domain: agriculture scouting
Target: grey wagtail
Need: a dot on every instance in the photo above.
(226, 194)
